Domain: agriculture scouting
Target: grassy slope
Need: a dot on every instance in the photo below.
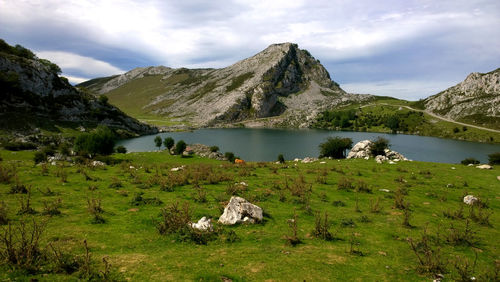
(431, 126)
(135, 248)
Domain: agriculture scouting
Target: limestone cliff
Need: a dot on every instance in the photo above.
(32, 91)
(475, 100)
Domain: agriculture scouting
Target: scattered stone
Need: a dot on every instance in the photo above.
(133, 210)
(380, 159)
(307, 160)
(322, 162)
(98, 163)
(385, 190)
(239, 210)
(177, 168)
(382, 253)
(297, 160)
(498, 177)
(204, 151)
(449, 185)
(484, 166)
(204, 224)
(470, 200)
(391, 162)
(470, 165)
(453, 167)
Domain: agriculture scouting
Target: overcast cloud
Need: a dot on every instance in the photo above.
(406, 49)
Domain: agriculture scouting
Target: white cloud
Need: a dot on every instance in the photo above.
(70, 62)
(75, 79)
(403, 89)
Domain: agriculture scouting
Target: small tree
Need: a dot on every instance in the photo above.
(158, 141)
(214, 149)
(335, 147)
(169, 143)
(229, 156)
(281, 159)
(103, 99)
(180, 147)
(379, 145)
(494, 158)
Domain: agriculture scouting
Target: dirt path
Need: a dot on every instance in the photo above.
(437, 116)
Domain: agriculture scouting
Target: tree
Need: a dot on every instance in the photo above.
(169, 143)
(101, 141)
(281, 159)
(180, 147)
(229, 156)
(379, 145)
(494, 158)
(335, 147)
(158, 141)
(103, 99)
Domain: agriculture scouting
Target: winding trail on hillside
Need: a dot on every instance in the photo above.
(436, 116)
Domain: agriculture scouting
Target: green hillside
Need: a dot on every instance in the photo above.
(113, 209)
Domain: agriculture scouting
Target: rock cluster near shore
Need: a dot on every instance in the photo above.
(362, 150)
(205, 152)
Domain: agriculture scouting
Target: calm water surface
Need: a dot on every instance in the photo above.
(265, 144)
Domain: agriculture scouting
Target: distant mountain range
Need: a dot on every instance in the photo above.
(34, 95)
(282, 86)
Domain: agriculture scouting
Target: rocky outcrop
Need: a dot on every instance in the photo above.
(239, 210)
(362, 150)
(205, 151)
(32, 91)
(283, 84)
(476, 99)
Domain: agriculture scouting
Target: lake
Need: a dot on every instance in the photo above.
(254, 144)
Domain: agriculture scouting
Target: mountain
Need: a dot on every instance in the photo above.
(33, 95)
(280, 86)
(476, 100)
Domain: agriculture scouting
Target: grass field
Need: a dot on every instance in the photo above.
(369, 243)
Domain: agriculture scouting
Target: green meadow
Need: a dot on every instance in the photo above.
(100, 222)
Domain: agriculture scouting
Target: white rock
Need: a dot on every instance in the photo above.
(484, 166)
(296, 160)
(238, 209)
(322, 162)
(470, 165)
(498, 177)
(385, 190)
(470, 200)
(204, 224)
(453, 167)
(309, 160)
(391, 162)
(98, 163)
(177, 168)
(380, 159)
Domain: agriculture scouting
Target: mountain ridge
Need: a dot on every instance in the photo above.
(282, 82)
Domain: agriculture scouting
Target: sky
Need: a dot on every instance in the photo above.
(407, 49)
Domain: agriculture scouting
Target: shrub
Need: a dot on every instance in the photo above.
(229, 156)
(293, 238)
(4, 219)
(103, 99)
(95, 210)
(494, 158)
(180, 147)
(6, 173)
(19, 146)
(378, 146)
(429, 257)
(281, 159)
(345, 184)
(121, 149)
(52, 208)
(335, 147)
(139, 200)
(168, 143)
(468, 161)
(101, 141)
(321, 227)
(173, 218)
(456, 130)
(39, 157)
(214, 149)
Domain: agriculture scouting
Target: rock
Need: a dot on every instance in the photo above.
(380, 159)
(498, 177)
(385, 190)
(177, 168)
(484, 166)
(360, 150)
(453, 167)
(309, 160)
(391, 162)
(470, 200)
(322, 162)
(98, 163)
(297, 160)
(204, 224)
(239, 210)
(470, 165)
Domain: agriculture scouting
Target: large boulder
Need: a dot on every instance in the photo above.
(239, 210)
(484, 166)
(361, 150)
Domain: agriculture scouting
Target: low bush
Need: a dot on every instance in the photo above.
(321, 227)
(230, 156)
(430, 260)
(494, 158)
(139, 200)
(95, 210)
(39, 157)
(214, 149)
(4, 215)
(121, 149)
(52, 208)
(379, 145)
(293, 238)
(468, 161)
(281, 159)
(335, 147)
(101, 141)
